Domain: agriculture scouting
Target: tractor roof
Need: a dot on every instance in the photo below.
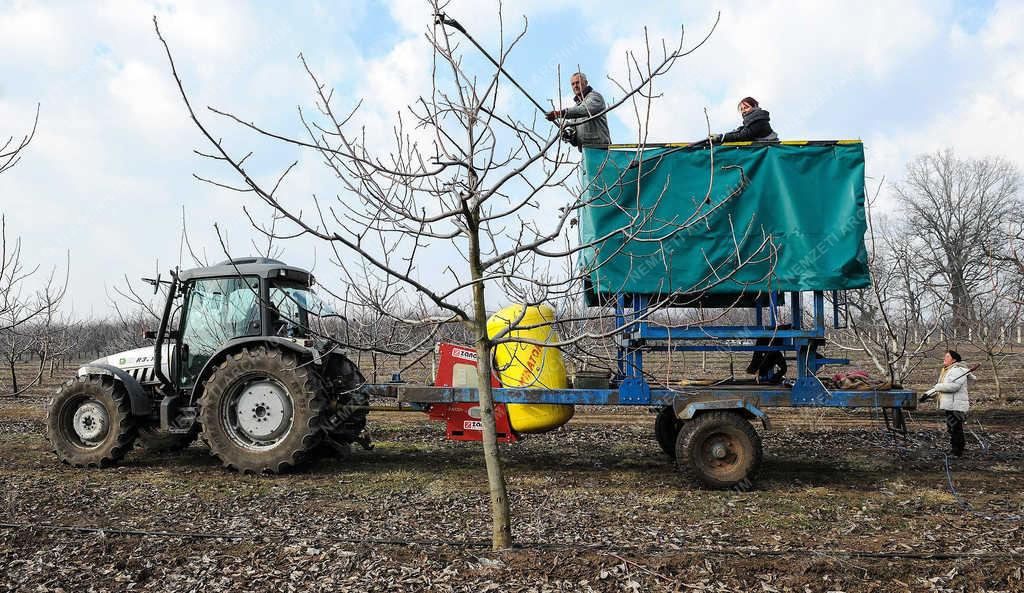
(263, 267)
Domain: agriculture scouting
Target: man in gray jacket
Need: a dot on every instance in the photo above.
(589, 103)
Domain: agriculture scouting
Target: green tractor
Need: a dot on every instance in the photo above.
(236, 360)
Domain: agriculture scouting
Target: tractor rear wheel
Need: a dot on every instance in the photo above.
(261, 410)
(666, 429)
(89, 423)
(721, 449)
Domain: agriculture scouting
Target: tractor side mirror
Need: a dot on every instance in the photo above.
(149, 334)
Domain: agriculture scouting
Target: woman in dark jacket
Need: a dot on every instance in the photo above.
(756, 125)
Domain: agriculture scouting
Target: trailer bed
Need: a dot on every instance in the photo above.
(758, 396)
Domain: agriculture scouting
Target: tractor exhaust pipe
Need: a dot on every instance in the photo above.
(158, 348)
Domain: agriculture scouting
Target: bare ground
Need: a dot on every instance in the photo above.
(839, 506)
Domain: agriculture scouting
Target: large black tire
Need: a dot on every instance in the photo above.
(254, 391)
(666, 430)
(152, 440)
(720, 449)
(89, 422)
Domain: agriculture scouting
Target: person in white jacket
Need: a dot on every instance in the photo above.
(954, 378)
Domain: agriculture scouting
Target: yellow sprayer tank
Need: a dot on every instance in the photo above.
(529, 365)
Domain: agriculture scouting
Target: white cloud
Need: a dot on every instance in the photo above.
(148, 97)
(31, 32)
(978, 117)
(796, 58)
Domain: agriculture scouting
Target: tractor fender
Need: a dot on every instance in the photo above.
(142, 404)
(686, 409)
(237, 344)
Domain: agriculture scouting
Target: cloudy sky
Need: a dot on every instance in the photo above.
(111, 168)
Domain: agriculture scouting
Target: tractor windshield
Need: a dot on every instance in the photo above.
(294, 306)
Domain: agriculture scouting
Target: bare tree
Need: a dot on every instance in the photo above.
(26, 317)
(452, 215)
(1007, 249)
(17, 309)
(888, 320)
(995, 310)
(52, 331)
(954, 208)
(60, 343)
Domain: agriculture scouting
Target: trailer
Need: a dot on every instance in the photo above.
(811, 194)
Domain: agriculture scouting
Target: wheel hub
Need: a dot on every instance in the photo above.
(720, 452)
(263, 411)
(91, 422)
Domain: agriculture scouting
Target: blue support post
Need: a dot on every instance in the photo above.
(819, 313)
(796, 309)
(620, 314)
(633, 387)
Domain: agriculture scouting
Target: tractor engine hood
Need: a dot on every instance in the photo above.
(138, 359)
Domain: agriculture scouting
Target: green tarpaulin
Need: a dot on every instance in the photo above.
(743, 219)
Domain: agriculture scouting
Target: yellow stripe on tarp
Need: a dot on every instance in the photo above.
(784, 142)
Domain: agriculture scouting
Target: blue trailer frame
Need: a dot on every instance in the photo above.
(637, 334)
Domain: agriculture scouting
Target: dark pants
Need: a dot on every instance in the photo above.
(955, 424)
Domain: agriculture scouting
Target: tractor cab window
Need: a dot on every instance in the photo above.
(292, 305)
(216, 310)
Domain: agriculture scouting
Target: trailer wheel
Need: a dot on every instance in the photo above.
(721, 449)
(152, 440)
(89, 423)
(261, 411)
(666, 430)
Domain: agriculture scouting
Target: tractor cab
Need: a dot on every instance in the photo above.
(236, 300)
(242, 354)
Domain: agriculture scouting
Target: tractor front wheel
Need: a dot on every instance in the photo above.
(721, 449)
(89, 422)
(261, 410)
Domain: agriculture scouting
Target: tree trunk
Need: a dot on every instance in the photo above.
(995, 377)
(501, 526)
(14, 379)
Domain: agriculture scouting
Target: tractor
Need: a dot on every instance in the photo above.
(238, 358)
